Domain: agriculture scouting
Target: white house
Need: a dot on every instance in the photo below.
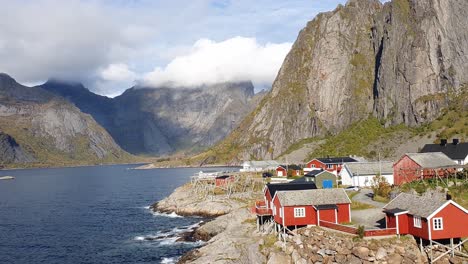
(261, 165)
(362, 173)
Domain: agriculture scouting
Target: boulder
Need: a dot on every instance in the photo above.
(381, 254)
(279, 258)
(394, 259)
(361, 252)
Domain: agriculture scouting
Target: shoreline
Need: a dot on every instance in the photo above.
(70, 166)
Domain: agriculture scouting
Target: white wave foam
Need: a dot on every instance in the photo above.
(171, 215)
(169, 260)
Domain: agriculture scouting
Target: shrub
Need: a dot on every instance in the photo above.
(360, 231)
(380, 186)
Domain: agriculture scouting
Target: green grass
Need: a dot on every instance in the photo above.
(381, 199)
(356, 139)
(355, 205)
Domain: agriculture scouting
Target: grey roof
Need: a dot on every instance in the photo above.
(370, 168)
(432, 160)
(336, 160)
(422, 206)
(457, 151)
(313, 197)
(261, 163)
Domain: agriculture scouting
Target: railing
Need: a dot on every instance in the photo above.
(353, 230)
(261, 208)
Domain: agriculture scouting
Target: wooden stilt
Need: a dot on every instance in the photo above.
(451, 246)
(258, 224)
(420, 245)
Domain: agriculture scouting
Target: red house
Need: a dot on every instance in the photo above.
(282, 170)
(264, 207)
(329, 164)
(223, 180)
(426, 217)
(309, 207)
(416, 166)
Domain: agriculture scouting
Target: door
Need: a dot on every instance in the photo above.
(280, 173)
(327, 184)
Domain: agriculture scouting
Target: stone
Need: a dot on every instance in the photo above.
(295, 256)
(394, 259)
(351, 259)
(361, 252)
(301, 261)
(400, 250)
(340, 258)
(307, 233)
(278, 258)
(381, 254)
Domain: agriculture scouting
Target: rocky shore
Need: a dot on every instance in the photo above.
(232, 236)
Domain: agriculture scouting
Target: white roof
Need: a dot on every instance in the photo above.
(369, 168)
(432, 159)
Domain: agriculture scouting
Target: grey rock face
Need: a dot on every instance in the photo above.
(397, 62)
(165, 120)
(44, 124)
(11, 151)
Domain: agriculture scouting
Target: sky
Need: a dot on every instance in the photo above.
(111, 45)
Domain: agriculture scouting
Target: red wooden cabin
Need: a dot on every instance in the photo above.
(264, 207)
(281, 171)
(309, 207)
(223, 180)
(329, 164)
(294, 170)
(426, 217)
(416, 166)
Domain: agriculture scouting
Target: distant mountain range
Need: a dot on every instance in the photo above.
(65, 123)
(38, 127)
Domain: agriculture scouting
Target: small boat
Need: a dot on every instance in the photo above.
(7, 178)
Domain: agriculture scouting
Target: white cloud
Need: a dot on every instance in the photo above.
(208, 62)
(118, 72)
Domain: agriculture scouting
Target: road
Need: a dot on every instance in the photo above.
(370, 218)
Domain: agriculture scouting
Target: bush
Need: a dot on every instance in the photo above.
(360, 231)
(380, 186)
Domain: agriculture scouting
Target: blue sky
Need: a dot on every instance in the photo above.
(111, 45)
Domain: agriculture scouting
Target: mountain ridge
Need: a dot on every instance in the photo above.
(399, 62)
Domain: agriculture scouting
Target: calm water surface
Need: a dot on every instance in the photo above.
(90, 215)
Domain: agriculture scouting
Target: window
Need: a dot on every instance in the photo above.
(281, 213)
(313, 166)
(299, 212)
(438, 224)
(329, 166)
(417, 221)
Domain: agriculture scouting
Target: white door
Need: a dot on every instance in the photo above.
(280, 173)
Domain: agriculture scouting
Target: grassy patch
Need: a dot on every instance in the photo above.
(352, 194)
(381, 199)
(268, 242)
(355, 205)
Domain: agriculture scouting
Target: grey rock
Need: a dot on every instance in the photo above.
(381, 254)
(278, 258)
(361, 252)
(393, 61)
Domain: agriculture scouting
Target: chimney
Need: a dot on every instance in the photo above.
(455, 141)
(443, 142)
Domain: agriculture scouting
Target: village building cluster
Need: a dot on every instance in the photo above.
(313, 199)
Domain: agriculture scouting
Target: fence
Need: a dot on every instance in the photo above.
(353, 230)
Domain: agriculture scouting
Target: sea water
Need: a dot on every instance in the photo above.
(97, 214)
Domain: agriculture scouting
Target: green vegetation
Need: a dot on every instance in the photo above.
(457, 186)
(381, 187)
(356, 139)
(355, 205)
(361, 231)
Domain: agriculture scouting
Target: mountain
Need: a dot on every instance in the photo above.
(37, 126)
(163, 120)
(401, 62)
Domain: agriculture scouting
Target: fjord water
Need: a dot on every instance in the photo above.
(90, 215)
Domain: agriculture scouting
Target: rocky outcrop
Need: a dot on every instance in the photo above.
(165, 120)
(400, 61)
(44, 128)
(11, 151)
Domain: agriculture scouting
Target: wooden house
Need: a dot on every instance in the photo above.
(426, 217)
(288, 170)
(264, 207)
(223, 180)
(362, 173)
(329, 164)
(416, 166)
(309, 207)
(456, 151)
(322, 178)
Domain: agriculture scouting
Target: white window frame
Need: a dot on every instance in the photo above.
(281, 213)
(299, 212)
(329, 166)
(313, 166)
(417, 221)
(438, 223)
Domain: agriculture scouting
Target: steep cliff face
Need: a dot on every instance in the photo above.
(165, 120)
(47, 129)
(398, 62)
(11, 151)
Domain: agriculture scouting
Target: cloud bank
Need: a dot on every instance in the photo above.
(209, 62)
